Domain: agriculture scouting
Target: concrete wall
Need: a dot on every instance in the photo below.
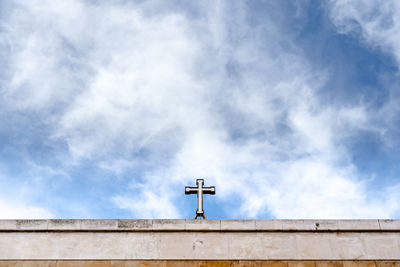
(194, 263)
(343, 241)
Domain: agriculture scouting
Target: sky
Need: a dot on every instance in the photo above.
(108, 109)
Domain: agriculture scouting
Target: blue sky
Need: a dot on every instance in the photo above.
(109, 108)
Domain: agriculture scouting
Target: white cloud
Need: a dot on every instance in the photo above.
(148, 204)
(213, 97)
(19, 191)
(15, 210)
(319, 190)
(377, 21)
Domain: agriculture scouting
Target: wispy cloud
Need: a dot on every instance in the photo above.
(376, 22)
(377, 25)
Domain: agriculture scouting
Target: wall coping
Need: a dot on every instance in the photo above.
(182, 225)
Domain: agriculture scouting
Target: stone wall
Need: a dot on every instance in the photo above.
(282, 242)
(191, 263)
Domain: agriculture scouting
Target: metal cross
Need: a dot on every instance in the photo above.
(200, 190)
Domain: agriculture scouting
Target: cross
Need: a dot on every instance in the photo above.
(200, 190)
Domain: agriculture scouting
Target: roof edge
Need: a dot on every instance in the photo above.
(179, 225)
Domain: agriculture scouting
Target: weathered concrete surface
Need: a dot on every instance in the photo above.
(235, 263)
(199, 245)
(199, 240)
(200, 225)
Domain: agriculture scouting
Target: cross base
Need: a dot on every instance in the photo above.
(200, 215)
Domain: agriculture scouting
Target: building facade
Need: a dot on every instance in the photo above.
(197, 243)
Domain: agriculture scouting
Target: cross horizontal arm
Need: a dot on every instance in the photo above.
(209, 190)
(190, 190)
